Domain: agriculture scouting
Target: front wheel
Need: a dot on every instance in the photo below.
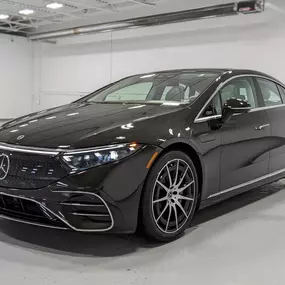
(170, 196)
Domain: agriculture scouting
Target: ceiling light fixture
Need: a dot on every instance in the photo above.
(26, 12)
(4, 17)
(54, 5)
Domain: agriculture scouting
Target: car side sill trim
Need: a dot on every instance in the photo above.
(247, 183)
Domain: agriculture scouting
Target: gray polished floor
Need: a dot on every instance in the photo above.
(240, 241)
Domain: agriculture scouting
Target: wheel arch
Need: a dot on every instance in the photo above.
(195, 157)
(187, 149)
(193, 154)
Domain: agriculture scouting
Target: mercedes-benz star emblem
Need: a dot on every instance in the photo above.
(4, 165)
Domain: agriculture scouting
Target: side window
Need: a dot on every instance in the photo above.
(240, 88)
(282, 92)
(137, 91)
(270, 93)
(214, 107)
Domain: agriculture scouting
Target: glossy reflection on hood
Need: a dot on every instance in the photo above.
(91, 124)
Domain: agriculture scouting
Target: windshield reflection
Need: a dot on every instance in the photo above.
(164, 87)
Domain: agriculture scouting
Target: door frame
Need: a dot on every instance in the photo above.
(200, 119)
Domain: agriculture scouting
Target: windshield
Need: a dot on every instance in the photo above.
(162, 87)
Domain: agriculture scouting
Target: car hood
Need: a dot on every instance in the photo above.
(81, 125)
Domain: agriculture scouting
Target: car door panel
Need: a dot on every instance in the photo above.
(274, 103)
(277, 142)
(245, 149)
(245, 137)
(236, 152)
(209, 142)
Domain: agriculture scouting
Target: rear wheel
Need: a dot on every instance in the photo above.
(170, 196)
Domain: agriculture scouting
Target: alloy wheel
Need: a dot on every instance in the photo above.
(173, 196)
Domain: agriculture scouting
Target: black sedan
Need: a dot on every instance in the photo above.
(144, 152)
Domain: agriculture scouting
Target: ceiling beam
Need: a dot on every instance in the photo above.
(15, 23)
(8, 29)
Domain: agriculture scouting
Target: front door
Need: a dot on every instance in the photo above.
(245, 138)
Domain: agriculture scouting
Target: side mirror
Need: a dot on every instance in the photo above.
(234, 106)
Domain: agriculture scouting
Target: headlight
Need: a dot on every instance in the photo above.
(80, 160)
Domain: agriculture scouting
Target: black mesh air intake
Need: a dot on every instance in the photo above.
(31, 171)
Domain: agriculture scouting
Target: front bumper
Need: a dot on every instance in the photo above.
(101, 199)
(91, 215)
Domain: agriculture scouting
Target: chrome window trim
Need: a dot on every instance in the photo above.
(247, 183)
(205, 119)
(266, 108)
(199, 119)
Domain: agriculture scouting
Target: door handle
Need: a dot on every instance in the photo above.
(261, 127)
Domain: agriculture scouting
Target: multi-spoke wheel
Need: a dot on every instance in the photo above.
(170, 196)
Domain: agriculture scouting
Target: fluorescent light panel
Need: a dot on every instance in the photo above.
(4, 16)
(26, 12)
(54, 5)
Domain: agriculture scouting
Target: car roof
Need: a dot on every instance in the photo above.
(218, 71)
(214, 70)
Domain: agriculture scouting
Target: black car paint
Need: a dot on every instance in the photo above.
(230, 155)
(97, 124)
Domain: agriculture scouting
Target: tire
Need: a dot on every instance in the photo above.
(167, 209)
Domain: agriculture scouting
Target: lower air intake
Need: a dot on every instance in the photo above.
(27, 211)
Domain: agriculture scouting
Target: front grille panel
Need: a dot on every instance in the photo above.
(26, 210)
(31, 171)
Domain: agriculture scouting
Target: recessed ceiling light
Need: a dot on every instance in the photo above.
(54, 5)
(4, 17)
(26, 12)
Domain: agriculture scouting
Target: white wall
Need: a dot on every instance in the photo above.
(16, 77)
(66, 71)
(78, 65)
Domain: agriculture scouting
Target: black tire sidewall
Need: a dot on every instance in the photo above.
(150, 227)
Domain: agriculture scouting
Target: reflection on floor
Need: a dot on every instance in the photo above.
(239, 241)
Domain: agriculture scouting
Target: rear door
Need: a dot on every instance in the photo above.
(273, 97)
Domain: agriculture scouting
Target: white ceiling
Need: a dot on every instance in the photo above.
(84, 12)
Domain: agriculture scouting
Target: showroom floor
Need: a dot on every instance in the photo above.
(240, 241)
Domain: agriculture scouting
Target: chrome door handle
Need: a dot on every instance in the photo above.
(261, 127)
